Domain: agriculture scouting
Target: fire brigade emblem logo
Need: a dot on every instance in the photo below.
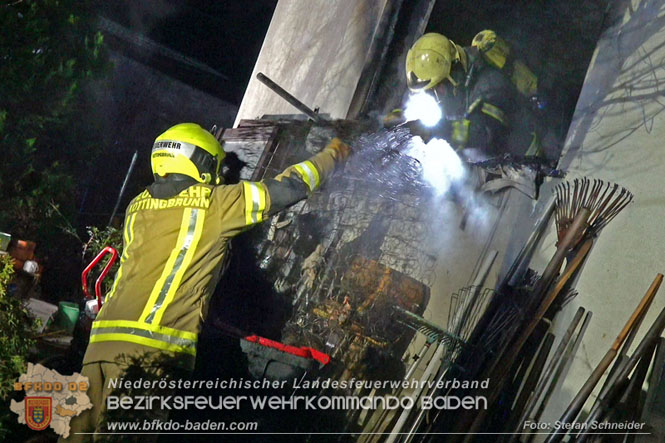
(38, 412)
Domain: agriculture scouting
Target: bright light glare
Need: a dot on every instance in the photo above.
(422, 106)
(441, 164)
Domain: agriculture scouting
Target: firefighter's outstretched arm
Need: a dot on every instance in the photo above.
(298, 181)
(475, 128)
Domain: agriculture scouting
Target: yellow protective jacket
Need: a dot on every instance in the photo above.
(174, 251)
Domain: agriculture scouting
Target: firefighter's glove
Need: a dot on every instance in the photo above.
(340, 149)
(394, 118)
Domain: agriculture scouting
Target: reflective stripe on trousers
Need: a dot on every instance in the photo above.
(155, 336)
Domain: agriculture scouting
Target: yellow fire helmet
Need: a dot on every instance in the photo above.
(430, 60)
(190, 150)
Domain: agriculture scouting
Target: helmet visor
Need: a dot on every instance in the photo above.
(414, 83)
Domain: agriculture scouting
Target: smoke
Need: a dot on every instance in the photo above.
(450, 180)
(397, 165)
(441, 167)
(400, 201)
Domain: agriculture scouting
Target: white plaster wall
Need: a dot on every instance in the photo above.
(316, 50)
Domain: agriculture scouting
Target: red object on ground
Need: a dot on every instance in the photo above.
(98, 283)
(303, 352)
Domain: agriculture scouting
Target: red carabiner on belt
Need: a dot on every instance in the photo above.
(98, 283)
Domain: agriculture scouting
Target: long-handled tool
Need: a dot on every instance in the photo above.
(300, 106)
(499, 371)
(515, 273)
(583, 208)
(530, 383)
(629, 406)
(561, 372)
(549, 371)
(652, 336)
(578, 402)
(621, 358)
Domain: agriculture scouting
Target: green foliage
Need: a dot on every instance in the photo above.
(16, 332)
(48, 50)
(98, 240)
(101, 238)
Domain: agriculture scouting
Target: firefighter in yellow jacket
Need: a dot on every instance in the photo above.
(176, 239)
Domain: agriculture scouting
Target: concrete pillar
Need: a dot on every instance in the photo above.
(316, 50)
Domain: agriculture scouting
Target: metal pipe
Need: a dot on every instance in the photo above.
(562, 371)
(516, 269)
(528, 388)
(554, 363)
(124, 186)
(300, 106)
(578, 402)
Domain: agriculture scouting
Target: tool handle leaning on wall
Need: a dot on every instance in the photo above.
(300, 106)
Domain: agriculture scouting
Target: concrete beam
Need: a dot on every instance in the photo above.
(316, 50)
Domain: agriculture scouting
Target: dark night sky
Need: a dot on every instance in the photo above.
(143, 94)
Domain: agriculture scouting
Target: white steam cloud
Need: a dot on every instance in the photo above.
(440, 163)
